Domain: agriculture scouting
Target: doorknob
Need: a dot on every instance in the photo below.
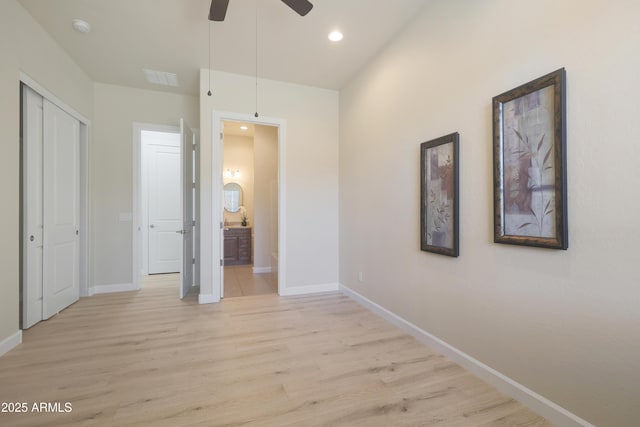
(180, 231)
(152, 226)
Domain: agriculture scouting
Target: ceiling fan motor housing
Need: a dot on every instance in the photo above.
(218, 9)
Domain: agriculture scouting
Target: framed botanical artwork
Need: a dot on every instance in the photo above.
(530, 165)
(439, 195)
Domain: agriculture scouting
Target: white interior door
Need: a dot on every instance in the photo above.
(221, 213)
(186, 178)
(32, 208)
(196, 209)
(164, 212)
(61, 207)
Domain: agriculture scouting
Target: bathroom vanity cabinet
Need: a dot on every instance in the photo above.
(237, 245)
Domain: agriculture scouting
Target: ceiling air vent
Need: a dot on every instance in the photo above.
(161, 78)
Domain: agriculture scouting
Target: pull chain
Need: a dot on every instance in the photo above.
(209, 93)
(256, 114)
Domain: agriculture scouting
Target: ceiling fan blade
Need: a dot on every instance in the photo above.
(218, 10)
(302, 7)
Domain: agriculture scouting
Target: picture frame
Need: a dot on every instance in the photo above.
(439, 195)
(530, 165)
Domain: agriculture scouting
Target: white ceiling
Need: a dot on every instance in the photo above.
(233, 128)
(172, 36)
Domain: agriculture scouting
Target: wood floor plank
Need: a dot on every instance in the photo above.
(147, 358)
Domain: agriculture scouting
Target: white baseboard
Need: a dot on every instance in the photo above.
(109, 289)
(312, 289)
(207, 299)
(258, 270)
(11, 342)
(274, 262)
(539, 404)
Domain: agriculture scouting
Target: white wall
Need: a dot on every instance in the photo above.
(116, 109)
(265, 200)
(311, 116)
(564, 324)
(26, 47)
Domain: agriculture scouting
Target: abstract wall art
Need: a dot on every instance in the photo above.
(529, 158)
(439, 195)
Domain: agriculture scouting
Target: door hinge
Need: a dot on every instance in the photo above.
(193, 146)
(193, 185)
(221, 136)
(194, 223)
(194, 261)
(221, 263)
(221, 225)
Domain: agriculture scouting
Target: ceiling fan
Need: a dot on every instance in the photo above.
(219, 8)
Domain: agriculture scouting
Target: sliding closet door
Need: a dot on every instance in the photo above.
(61, 167)
(32, 209)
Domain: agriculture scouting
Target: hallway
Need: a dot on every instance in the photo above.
(240, 281)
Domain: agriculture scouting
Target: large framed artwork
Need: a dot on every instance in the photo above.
(439, 195)
(530, 165)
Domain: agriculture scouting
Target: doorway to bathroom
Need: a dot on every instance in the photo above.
(250, 193)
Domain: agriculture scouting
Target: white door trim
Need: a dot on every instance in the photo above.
(136, 215)
(196, 208)
(187, 184)
(210, 289)
(85, 148)
(85, 256)
(24, 78)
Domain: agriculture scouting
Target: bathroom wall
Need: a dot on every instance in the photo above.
(238, 154)
(266, 196)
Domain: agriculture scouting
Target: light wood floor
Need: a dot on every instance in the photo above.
(240, 281)
(148, 359)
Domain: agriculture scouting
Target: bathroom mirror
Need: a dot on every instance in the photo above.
(232, 197)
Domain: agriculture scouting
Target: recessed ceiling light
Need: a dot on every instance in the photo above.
(243, 127)
(335, 36)
(81, 26)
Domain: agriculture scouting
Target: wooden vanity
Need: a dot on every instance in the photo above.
(237, 245)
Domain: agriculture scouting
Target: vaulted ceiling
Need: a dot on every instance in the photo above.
(128, 36)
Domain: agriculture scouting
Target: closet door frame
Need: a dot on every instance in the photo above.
(32, 201)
